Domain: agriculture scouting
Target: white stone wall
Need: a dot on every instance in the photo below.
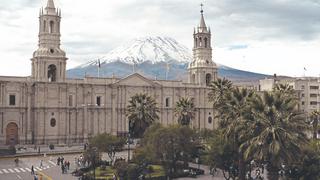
(39, 102)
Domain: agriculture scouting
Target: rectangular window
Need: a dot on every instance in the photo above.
(313, 102)
(302, 95)
(167, 102)
(302, 87)
(70, 100)
(302, 103)
(313, 95)
(98, 101)
(12, 100)
(314, 87)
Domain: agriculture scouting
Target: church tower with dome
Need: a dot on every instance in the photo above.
(49, 61)
(202, 70)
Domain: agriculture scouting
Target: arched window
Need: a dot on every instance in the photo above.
(44, 25)
(200, 42)
(209, 119)
(51, 28)
(52, 73)
(53, 122)
(208, 79)
(205, 42)
(196, 42)
(167, 102)
(193, 78)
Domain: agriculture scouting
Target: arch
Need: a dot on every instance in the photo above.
(200, 42)
(12, 137)
(193, 78)
(53, 122)
(44, 26)
(51, 27)
(205, 42)
(196, 42)
(52, 73)
(208, 79)
(210, 120)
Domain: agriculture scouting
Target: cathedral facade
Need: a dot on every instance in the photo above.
(47, 107)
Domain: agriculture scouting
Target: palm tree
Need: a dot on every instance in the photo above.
(315, 122)
(232, 123)
(218, 90)
(185, 111)
(277, 131)
(236, 110)
(141, 112)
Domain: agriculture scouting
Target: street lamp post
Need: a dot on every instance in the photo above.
(129, 146)
(129, 136)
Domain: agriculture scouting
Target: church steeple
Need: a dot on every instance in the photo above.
(49, 61)
(202, 70)
(50, 9)
(202, 27)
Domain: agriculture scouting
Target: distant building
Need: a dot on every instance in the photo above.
(47, 107)
(307, 89)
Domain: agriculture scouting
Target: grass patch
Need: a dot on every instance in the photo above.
(158, 171)
(103, 174)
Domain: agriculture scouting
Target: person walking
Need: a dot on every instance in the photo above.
(58, 161)
(41, 165)
(68, 165)
(16, 161)
(32, 170)
(62, 168)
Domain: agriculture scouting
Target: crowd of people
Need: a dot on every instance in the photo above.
(65, 165)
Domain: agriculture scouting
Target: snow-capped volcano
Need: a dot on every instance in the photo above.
(153, 49)
(153, 57)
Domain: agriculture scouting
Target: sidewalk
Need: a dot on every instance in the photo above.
(31, 151)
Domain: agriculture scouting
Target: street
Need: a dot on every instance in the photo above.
(9, 170)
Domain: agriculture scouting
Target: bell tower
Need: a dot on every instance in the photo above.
(202, 70)
(49, 61)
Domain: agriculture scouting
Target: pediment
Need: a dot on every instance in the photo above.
(136, 80)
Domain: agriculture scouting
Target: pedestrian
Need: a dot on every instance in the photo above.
(16, 161)
(68, 165)
(35, 177)
(62, 159)
(39, 150)
(32, 170)
(41, 165)
(62, 168)
(65, 166)
(58, 161)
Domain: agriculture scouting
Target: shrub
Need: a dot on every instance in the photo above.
(51, 146)
(103, 167)
(133, 172)
(121, 167)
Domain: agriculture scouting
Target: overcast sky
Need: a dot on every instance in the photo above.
(266, 36)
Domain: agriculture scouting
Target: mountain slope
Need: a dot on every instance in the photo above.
(153, 49)
(153, 57)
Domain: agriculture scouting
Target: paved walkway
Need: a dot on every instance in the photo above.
(31, 150)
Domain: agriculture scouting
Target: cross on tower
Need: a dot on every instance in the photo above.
(201, 5)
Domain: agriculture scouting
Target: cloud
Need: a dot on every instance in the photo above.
(91, 29)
